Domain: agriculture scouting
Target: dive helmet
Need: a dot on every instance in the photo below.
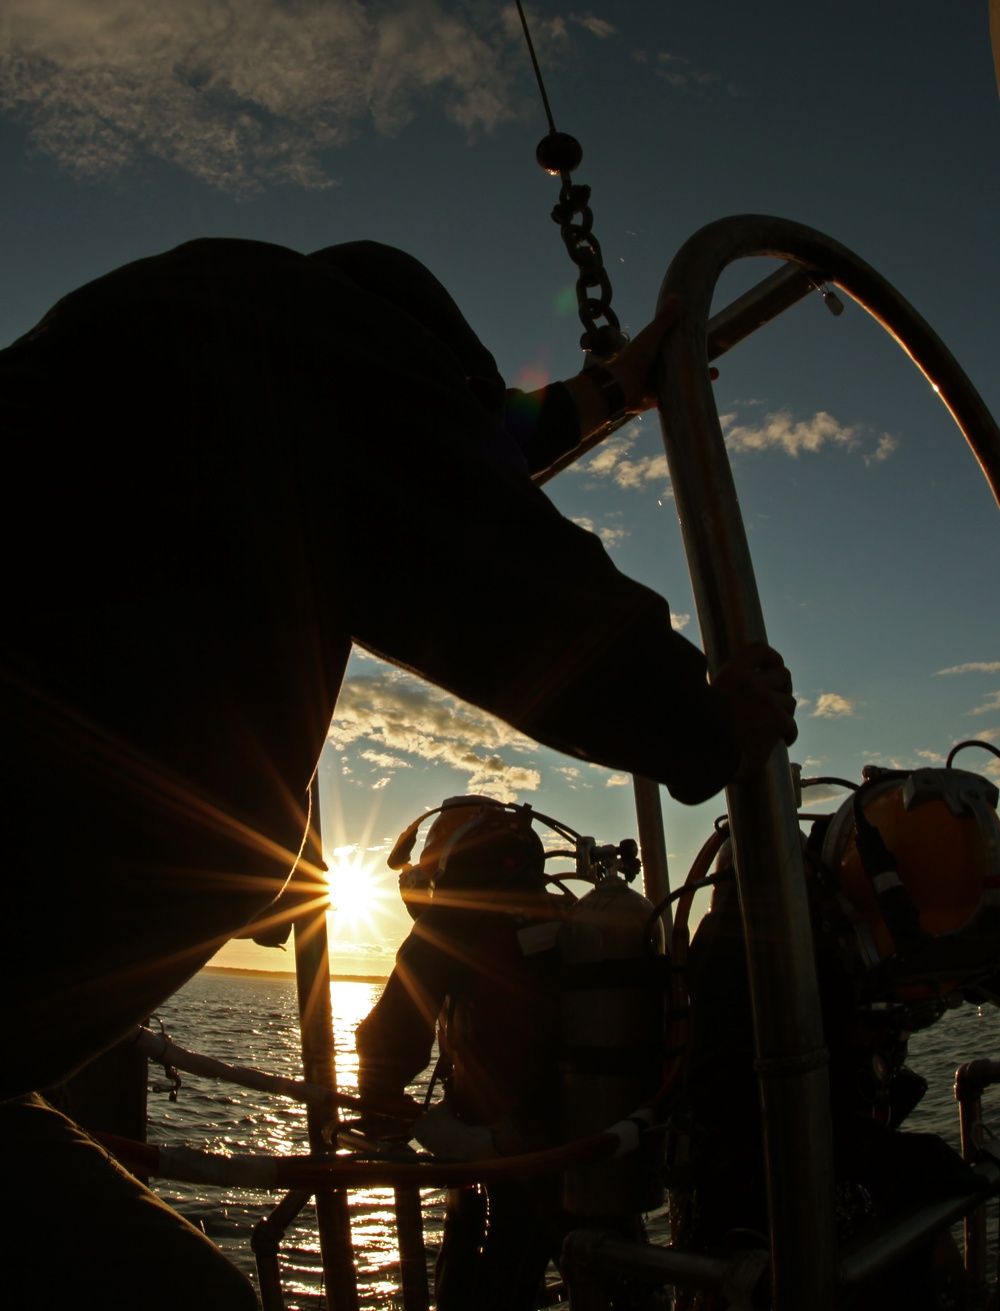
(915, 857)
(475, 842)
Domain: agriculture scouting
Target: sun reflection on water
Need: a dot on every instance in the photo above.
(254, 1021)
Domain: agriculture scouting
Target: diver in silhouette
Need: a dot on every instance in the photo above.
(479, 969)
(219, 454)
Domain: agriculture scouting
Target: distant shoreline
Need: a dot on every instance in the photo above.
(290, 974)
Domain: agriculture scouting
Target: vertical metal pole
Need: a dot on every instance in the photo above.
(265, 1240)
(970, 1082)
(653, 847)
(312, 972)
(791, 1057)
(970, 1110)
(412, 1253)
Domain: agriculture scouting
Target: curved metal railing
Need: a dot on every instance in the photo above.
(791, 1058)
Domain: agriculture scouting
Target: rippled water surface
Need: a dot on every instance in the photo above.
(254, 1021)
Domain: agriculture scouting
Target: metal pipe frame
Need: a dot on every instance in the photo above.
(412, 1253)
(777, 293)
(653, 848)
(312, 972)
(791, 1057)
(971, 1080)
(971, 1122)
(904, 1233)
(319, 1060)
(590, 1254)
(265, 1239)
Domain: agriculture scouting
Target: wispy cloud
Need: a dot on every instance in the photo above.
(615, 460)
(780, 432)
(973, 667)
(617, 781)
(991, 704)
(257, 92)
(830, 705)
(383, 760)
(682, 73)
(883, 449)
(399, 721)
(596, 26)
(610, 534)
(643, 469)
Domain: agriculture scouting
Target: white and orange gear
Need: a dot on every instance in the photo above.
(915, 859)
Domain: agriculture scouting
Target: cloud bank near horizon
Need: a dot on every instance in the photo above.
(257, 93)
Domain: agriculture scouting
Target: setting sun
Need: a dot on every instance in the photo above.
(357, 889)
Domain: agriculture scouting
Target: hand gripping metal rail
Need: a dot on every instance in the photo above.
(791, 1059)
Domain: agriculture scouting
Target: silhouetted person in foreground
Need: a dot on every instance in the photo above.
(226, 464)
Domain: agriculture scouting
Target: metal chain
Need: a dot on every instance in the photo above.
(600, 340)
(559, 154)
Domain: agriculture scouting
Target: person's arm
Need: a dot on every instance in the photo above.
(631, 371)
(393, 1043)
(395, 1039)
(462, 570)
(754, 685)
(552, 420)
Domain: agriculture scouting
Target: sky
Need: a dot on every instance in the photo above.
(126, 129)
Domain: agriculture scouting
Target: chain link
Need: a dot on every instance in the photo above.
(575, 219)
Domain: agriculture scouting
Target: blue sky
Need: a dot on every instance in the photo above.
(125, 130)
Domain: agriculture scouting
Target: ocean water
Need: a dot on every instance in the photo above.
(252, 1020)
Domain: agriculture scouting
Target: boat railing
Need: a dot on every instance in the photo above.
(791, 1057)
(590, 1256)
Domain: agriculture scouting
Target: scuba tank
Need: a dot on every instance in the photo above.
(612, 1039)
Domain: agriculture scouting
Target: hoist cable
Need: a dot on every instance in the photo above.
(534, 64)
(559, 154)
